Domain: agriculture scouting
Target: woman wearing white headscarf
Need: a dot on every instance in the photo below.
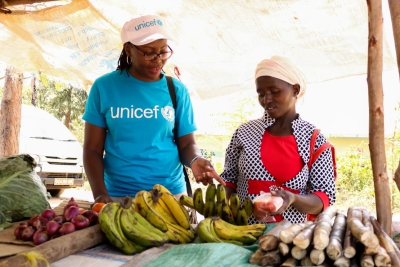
(270, 154)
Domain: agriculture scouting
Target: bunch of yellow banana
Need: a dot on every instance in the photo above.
(161, 209)
(216, 204)
(127, 230)
(215, 230)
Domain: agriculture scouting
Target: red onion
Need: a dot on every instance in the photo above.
(70, 203)
(60, 219)
(27, 233)
(23, 224)
(40, 237)
(92, 216)
(39, 222)
(52, 227)
(49, 214)
(71, 212)
(30, 221)
(18, 231)
(80, 221)
(67, 228)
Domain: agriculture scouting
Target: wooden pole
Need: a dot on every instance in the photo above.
(376, 115)
(10, 113)
(394, 7)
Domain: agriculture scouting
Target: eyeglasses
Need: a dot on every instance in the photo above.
(153, 56)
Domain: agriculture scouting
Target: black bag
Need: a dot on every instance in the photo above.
(171, 89)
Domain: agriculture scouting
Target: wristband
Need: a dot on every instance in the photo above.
(194, 159)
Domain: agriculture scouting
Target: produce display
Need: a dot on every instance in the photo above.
(48, 225)
(333, 239)
(151, 219)
(215, 203)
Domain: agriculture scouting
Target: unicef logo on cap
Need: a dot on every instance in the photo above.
(150, 23)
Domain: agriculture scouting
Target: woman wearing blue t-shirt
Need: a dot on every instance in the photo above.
(129, 120)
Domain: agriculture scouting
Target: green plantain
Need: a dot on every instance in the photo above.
(142, 206)
(209, 205)
(227, 214)
(229, 233)
(255, 230)
(187, 201)
(221, 193)
(109, 220)
(198, 201)
(205, 230)
(242, 218)
(138, 233)
(248, 206)
(234, 204)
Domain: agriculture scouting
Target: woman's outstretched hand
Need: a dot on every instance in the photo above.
(204, 172)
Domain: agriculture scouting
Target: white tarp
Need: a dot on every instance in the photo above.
(217, 44)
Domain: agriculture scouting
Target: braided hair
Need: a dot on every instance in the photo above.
(122, 61)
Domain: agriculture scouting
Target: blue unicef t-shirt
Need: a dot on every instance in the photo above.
(139, 118)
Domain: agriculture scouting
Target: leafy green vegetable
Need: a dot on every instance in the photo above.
(4, 222)
(22, 193)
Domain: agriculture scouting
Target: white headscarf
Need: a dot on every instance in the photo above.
(284, 69)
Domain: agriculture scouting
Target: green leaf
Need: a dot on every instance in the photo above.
(22, 194)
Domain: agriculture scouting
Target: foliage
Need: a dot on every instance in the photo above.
(355, 182)
(65, 101)
(354, 170)
(239, 108)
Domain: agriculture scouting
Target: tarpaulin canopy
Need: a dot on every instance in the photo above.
(217, 44)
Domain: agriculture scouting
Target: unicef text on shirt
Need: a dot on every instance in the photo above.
(131, 113)
(167, 113)
(153, 22)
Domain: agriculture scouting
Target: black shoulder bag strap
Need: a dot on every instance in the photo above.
(171, 89)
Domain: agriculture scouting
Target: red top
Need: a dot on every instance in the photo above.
(276, 152)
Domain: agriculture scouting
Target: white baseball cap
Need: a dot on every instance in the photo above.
(144, 29)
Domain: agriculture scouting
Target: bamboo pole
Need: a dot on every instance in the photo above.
(394, 7)
(376, 116)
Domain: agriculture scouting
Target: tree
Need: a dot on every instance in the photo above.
(10, 113)
(65, 101)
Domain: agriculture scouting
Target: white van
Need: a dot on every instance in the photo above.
(55, 149)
